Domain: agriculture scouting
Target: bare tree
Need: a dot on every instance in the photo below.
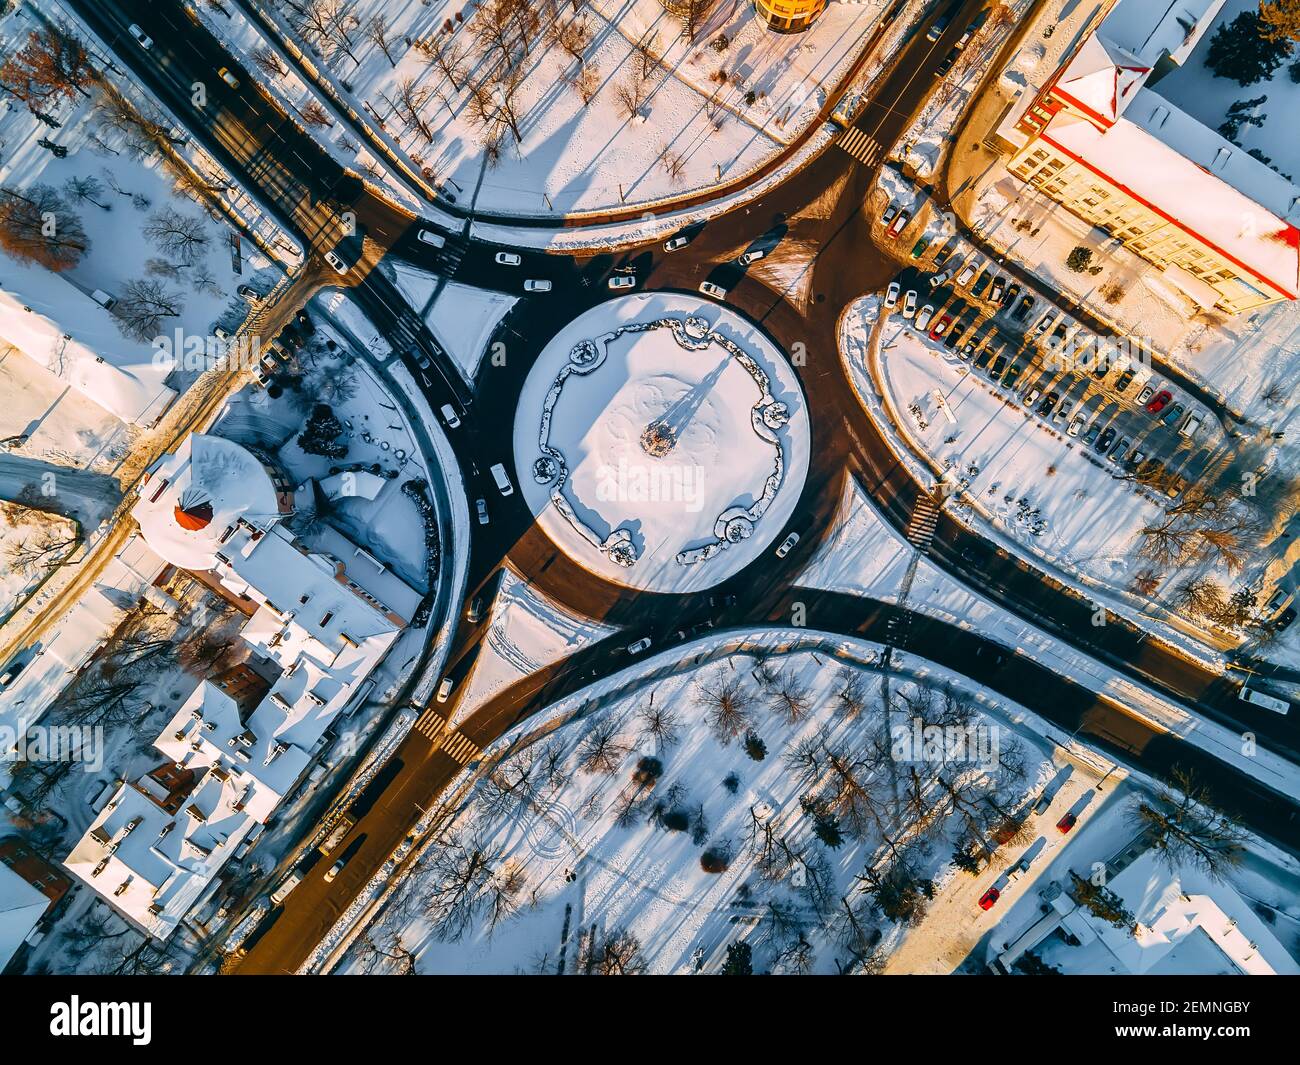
(315, 115)
(586, 79)
(648, 50)
(600, 750)
(44, 550)
(789, 700)
(269, 63)
(850, 693)
(329, 25)
(673, 162)
(1199, 596)
(1185, 825)
(447, 55)
(690, 13)
(142, 307)
(86, 188)
(661, 723)
(410, 104)
(37, 225)
(631, 94)
(51, 66)
(176, 234)
(618, 954)
(727, 704)
(572, 36)
(457, 884)
(380, 34)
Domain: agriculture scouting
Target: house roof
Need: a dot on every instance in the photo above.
(21, 906)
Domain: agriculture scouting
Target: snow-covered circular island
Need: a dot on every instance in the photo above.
(662, 441)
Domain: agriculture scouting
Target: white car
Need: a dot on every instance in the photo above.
(679, 241)
(923, 318)
(786, 545)
(967, 274)
(622, 281)
(428, 236)
(638, 646)
(508, 258)
(710, 289)
(940, 278)
(141, 38)
(1075, 425)
(334, 871)
(909, 303)
(751, 256)
(449, 416)
(891, 295)
(533, 285)
(444, 689)
(339, 265)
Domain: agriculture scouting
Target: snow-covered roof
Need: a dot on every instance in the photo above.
(1181, 915)
(1196, 179)
(152, 865)
(59, 327)
(21, 906)
(1150, 29)
(195, 494)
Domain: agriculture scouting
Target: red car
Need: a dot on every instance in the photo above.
(1159, 401)
(940, 327)
(1066, 823)
(989, 898)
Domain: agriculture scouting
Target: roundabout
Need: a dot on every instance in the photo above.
(661, 441)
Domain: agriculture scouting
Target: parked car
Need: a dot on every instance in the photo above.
(537, 285)
(954, 335)
(1009, 297)
(909, 303)
(1031, 394)
(918, 249)
(967, 349)
(981, 284)
(477, 605)
(502, 479)
(1076, 423)
(1172, 416)
(480, 506)
(1159, 401)
(891, 210)
(1044, 323)
(1066, 823)
(967, 274)
(1124, 380)
(1104, 441)
(939, 278)
(1013, 374)
(923, 317)
(7, 677)
(620, 281)
(141, 38)
(428, 236)
(1049, 402)
(335, 869)
(787, 545)
(999, 288)
(891, 295)
(1090, 437)
(449, 416)
(989, 898)
(507, 258)
(1121, 449)
(676, 243)
(637, 646)
(108, 302)
(248, 294)
(998, 365)
(940, 26)
(1022, 310)
(752, 256)
(899, 223)
(710, 289)
(940, 327)
(1190, 426)
(948, 61)
(1284, 619)
(1063, 411)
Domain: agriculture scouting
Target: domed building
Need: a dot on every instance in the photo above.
(789, 16)
(196, 497)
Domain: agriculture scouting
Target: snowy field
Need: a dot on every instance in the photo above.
(721, 460)
(653, 832)
(610, 106)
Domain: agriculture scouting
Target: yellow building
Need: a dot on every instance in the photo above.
(1099, 139)
(789, 16)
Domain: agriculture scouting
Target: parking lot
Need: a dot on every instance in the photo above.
(1101, 390)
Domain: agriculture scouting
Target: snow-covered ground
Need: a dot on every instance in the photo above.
(658, 365)
(463, 318)
(526, 632)
(691, 839)
(699, 112)
(31, 542)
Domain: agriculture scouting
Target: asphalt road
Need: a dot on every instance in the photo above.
(307, 192)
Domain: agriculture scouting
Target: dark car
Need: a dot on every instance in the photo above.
(1009, 297)
(1105, 440)
(1124, 380)
(305, 323)
(981, 284)
(983, 358)
(1022, 311)
(1066, 823)
(948, 61)
(999, 364)
(999, 290)
(1284, 619)
(1013, 374)
(967, 349)
(1048, 404)
(954, 335)
(1090, 437)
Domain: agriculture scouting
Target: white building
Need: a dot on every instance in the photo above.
(320, 620)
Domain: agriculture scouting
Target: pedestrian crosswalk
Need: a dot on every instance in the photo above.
(920, 529)
(459, 748)
(863, 148)
(430, 723)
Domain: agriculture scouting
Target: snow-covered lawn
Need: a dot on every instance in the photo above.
(687, 835)
(675, 455)
(462, 318)
(699, 112)
(31, 542)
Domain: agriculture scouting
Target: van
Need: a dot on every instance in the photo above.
(282, 892)
(103, 299)
(1190, 426)
(1268, 702)
(503, 481)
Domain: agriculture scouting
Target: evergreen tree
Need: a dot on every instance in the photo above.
(740, 960)
(755, 747)
(322, 434)
(1032, 965)
(1079, 259)
(1242, 51)
(965, 861)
